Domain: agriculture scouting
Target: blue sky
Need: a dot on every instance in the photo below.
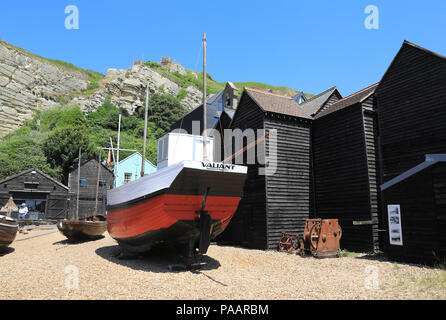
(305, 45)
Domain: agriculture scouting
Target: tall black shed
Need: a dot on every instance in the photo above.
(411, 106)
(87, 189)
(346, 185)
(279, 202)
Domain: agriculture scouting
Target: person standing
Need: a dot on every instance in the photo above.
(23, 211)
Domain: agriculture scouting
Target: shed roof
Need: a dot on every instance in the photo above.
(95, 160)
(38, 171)
(277, 103)
(431, 159)
(312, 106)
(350, 100)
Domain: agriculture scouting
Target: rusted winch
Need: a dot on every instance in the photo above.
(321, 237)
(289, 242)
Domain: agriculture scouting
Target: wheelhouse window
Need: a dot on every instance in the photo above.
(163, 149)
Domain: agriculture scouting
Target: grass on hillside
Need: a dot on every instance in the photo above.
(195, 79)
(23, 148)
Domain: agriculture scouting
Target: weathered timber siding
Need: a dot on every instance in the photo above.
(87, 194)
(288, 189)
(333, 98)
(421, 198)
(341, 172)
(411, 104)
(47, 189)
(371, 140)
(248, 226)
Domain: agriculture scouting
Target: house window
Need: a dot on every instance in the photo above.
(102, 183)
(82, 182)
(127, 177)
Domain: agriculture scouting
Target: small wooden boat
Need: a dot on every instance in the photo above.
(90, 228)
(8, 231)
(83, 229)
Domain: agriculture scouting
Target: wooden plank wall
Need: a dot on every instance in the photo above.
(418, 216)
(371, 144)
(288, 190)
(87, 196)
(248, 226)
(55, 194)
(411, 104)
(341, 174)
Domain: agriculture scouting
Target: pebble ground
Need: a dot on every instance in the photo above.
(48, 267)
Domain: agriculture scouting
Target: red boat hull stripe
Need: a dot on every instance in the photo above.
(165, 210)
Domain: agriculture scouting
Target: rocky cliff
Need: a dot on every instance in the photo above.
(127, 89)
(29, 83)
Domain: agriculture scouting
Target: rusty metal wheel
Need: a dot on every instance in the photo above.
(314, 236)
(285, 243)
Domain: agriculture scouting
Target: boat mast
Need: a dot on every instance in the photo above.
(97, 185)
(78, 183)
(117, 150)
(143, 163)
(205, 155)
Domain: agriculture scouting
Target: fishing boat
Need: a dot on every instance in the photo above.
(187, 202)
(8, 231)
(185, 205)
(89, 228)
(83, 229)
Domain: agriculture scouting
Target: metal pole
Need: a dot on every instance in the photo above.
(78, 183)
(143, 164)
(205, 155)
(114, 163)
(117, 150)
(97, 185)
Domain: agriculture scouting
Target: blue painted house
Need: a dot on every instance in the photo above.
(129, 169)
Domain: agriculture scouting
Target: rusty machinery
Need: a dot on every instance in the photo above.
(321, 238)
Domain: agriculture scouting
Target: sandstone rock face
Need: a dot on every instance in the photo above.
(127, 89)
(28, 84)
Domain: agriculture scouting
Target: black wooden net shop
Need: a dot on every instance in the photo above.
(87, 189)
(281, 202)
(45, 197)
(411, 106)
(345, 169)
